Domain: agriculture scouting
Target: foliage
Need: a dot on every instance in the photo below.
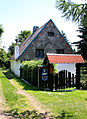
(82, 44)
(32, 63)
(1, 30)
(84, 85)
(64, 35)
(29, 71)
(55, 69)
(77, 12)
(4, 60)
(11, 48)
(22, 36)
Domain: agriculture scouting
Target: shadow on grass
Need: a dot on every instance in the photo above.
(10, 76)
(26, 114)
(34, 115)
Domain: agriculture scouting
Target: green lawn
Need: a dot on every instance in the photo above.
(64, 105)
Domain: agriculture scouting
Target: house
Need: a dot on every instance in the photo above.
(46, 39)
(64, 61)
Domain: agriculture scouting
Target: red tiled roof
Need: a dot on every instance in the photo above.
(65, 58)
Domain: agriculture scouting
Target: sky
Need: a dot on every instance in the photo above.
(19, 15)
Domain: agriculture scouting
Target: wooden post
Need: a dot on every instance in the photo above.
(51, 76)
(66, 79)
(38, 77)
(60, 80)
(72, 80)
(78, 75)
(69, 76)
(56, 81)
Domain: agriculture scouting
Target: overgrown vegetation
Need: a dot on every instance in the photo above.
(29, 71)
(4, 59)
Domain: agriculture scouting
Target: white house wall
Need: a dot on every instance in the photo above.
(15, 67)
(66, 66)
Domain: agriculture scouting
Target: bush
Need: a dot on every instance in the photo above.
(29, 71)
(84, 85)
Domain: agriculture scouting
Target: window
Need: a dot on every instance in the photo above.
(39, 53)
(51, 34)
(60, 51)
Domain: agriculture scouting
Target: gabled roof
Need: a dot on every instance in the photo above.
(31, 38)
(65, 58)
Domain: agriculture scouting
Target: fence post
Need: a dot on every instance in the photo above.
(78, 75)
(72, 80)
(56, 81)
(66, 79)
(51, 71)
(60, 80)
(69, 76)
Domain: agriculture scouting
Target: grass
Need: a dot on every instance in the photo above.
(64, 105)
(16, 102)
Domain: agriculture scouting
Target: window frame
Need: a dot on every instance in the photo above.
(60, 51)
(50, 33)
(39, 53)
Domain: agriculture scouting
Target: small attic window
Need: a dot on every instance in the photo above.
(60, 51)
(51, 34)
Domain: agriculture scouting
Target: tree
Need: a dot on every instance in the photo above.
(11, 48)
(77, 12)
(64, 35)
(1, 30)
(82, 44)
(4, 60)
(22, 36)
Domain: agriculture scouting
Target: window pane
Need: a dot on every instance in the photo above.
(40, 53)
(60, 51)
(37, 53)
(50, 33)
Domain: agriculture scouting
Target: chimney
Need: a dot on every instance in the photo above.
(16, 51)
(35, 28)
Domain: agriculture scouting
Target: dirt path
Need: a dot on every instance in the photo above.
(33, 101)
